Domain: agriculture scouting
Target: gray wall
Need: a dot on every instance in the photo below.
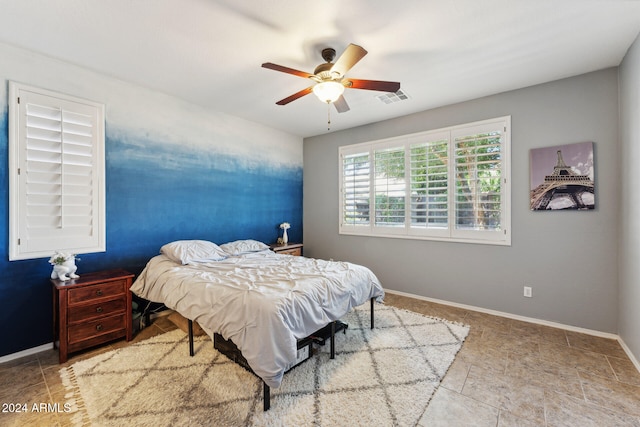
(629, 317)
(569, 258)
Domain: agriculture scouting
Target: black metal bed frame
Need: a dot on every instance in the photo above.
(266, 390)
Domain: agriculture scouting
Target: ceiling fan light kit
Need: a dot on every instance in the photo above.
(328, 91)
(330, 78)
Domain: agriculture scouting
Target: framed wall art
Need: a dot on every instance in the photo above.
(562, 177)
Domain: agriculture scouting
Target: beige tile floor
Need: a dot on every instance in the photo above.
(508, 373)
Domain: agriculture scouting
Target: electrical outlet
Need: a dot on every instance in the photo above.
(527, 292)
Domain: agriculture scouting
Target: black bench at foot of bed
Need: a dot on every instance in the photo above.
(229, 349)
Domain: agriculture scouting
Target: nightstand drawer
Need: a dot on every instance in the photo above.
(83, 331)
(103, 290)
(295, 252)
(99, 309)
(288, 249)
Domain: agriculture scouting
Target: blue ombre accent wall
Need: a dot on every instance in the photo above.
(173, 171)
(185, 193)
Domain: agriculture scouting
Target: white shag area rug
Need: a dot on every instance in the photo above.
(380, 377)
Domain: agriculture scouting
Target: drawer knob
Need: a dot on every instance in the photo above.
(99, 292)
(99, 310)
(98, 327)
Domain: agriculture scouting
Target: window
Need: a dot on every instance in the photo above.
(449, 184)
(56, 174)
(355, 183)
(388, 188)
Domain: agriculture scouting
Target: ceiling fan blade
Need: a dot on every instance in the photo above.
(295, 96)
(372, 85)
(341, 105)
(288, 70)
(350, 57)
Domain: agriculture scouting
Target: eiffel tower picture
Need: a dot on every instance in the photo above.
(566, 187)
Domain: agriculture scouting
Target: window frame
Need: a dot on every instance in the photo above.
(452, 233)
(31, 242)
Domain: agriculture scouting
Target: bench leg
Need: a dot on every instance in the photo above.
(191, 352)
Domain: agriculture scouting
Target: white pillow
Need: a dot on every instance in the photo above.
(190, 251)
(240, 247)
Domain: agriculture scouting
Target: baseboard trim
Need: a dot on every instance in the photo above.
(634, 360)
(627, 350)
(27, 352)
(601, 334)
(44, 347)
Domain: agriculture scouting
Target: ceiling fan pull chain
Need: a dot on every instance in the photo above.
(328, 115)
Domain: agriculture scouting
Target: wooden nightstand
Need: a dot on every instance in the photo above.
(90, 310)
(288, 249)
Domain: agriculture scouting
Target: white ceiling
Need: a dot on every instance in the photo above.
(209, 52)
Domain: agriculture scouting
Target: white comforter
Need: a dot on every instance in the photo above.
(262, 301)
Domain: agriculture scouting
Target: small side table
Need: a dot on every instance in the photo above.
(90, 310)
(288, 249)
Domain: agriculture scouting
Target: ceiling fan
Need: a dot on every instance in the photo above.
(330, 80)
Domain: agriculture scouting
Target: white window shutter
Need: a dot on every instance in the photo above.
(479, 162)
(57, 174)
(355, 189)
(430, 182)
(449, 184)
(389, 189)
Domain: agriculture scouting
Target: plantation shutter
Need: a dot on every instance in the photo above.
(449, 184)
(478, 179)
(389, 187)
(355, 189)
(430, 182)
(58, 144)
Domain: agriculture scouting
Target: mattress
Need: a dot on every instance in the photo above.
(262, 301)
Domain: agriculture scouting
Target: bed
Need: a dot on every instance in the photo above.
(262, 301)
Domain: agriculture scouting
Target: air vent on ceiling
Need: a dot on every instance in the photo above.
(390, 98)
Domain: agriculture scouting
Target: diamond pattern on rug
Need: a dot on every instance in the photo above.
(384, 376)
